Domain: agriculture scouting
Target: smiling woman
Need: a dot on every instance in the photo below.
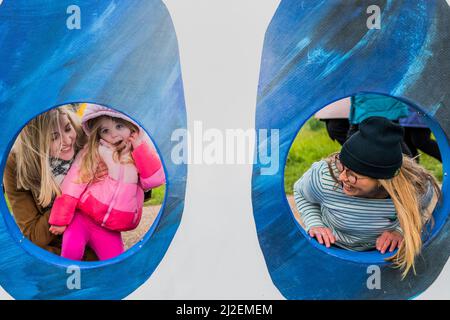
(369, 195)
(76, 185)
(37, 164)
(63, 138)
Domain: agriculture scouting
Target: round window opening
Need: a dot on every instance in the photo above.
(83, 182)
(362, 172)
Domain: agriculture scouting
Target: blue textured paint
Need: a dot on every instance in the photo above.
(315, 54)
(126, 57)
(418, 64)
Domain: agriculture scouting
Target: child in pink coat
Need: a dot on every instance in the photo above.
(94, 213)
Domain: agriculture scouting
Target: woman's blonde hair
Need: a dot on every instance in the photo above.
(405, 190)
(91, 156)
(32, 153)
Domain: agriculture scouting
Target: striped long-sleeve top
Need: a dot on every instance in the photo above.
(356, 222)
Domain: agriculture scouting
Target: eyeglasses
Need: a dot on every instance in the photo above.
(351, 176)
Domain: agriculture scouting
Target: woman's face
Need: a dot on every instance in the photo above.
(62, 141)
(363, 187)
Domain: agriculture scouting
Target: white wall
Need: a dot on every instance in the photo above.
(215, 253)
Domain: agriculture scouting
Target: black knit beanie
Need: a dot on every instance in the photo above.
(375, 150)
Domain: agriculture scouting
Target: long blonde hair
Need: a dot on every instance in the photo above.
(32, 153)
(91, 156)
(405, 190)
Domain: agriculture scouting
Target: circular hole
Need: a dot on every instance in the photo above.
(323, 134)
(110, 176)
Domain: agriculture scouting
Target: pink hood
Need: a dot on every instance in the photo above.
(93, 111)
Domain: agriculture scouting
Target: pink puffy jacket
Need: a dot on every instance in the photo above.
(116, 201)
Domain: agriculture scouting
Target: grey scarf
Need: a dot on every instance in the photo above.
(59, 170)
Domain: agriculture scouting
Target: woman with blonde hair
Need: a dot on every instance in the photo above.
(39, 160)
(369, 196)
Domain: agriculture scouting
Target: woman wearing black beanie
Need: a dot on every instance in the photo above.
(369, 195)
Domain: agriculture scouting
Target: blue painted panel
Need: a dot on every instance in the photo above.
(317, 52)
(125, 56)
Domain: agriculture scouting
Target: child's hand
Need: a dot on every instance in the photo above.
(106, 149)
(108, 146)
(388, 239)
(112, 147)
(57, 230)
(135, 139)
(323, 235)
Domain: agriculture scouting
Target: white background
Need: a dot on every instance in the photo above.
(215, 253)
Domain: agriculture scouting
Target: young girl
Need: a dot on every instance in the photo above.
(94, 213)
(369, 195)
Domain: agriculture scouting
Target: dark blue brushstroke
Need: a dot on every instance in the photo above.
(317, 52)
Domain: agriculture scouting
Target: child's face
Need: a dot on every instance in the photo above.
(113, 132)
(62, 143)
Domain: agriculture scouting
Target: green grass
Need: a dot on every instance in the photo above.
(432, 165)
(157, 196)
(7, 202)
(313, 143)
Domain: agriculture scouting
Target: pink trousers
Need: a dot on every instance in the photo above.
(83, 232)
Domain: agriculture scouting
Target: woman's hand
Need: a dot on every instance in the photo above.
(388, 239)
(57, 230)
(101, 172)
(323, 235)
